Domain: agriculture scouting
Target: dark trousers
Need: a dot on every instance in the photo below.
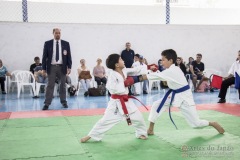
(225, 84)
(2, 79)
(99, 80)
(56, 71)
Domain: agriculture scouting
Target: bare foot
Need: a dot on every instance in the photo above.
(85, 139)
(143, 137)
(150, 132)
(217, 127)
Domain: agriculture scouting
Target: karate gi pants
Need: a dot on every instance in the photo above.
(189, 112)
(111, 118)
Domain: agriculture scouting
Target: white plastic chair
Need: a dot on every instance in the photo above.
(150, 83)
(38, 85)
(7, 79)
(25, 78)
(208, 72)
(13, 82)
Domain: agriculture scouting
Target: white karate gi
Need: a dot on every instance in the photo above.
(184, 100)
(114, 113)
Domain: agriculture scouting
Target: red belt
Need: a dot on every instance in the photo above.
(123, 99)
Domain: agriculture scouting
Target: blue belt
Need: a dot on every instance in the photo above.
(173, 95)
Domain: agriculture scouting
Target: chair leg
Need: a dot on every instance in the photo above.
(150, 86)
(37, 89)
(19, 88)
(33, 89)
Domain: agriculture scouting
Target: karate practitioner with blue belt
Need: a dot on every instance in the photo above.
(179, 95)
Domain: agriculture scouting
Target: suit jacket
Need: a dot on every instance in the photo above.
(48, 53)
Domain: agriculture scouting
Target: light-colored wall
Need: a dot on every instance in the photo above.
(21, 42)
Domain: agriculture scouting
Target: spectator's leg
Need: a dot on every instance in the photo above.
(145, 84)
(239, 92)
(98, 80)
(2, 79)
(88, 83)
(104, 80)
(84, 85)
(225, 84)
(201, 78)
(40, 79)
(194, 81)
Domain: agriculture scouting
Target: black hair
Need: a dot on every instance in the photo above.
(137, 55)
(36, 58)
(170, 54)
(112, 60)
(199, 54)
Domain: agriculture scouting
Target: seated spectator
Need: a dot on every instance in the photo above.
(204, 86)
(163, 84)
(190, 60)
(181, 65)
(99, 73)
(84, 80)
(228, 81)
(160, 66)
(39, 76)
(3, 73)
(197, 68)
(145, 61)
(37, 63)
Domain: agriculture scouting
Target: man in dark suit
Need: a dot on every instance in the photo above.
(57, 62)
(128, 57)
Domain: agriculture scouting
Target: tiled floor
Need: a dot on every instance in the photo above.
(10, 102)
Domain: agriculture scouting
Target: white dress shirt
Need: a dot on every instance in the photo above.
(235, 68)
(54, 52)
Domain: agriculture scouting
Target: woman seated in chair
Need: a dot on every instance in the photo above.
(84, 76)
(99, 73)
(3, 73)
(180, 64)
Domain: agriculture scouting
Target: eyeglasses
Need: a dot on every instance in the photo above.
(199, 57)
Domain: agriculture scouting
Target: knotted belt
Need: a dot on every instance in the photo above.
(123, 99)
(172, 98)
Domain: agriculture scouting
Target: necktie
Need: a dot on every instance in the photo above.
(57, 52)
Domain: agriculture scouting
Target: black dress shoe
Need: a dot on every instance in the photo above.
(45, 107)
(3, 92)
(145, 92)
(222, 101)
(65, 106)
